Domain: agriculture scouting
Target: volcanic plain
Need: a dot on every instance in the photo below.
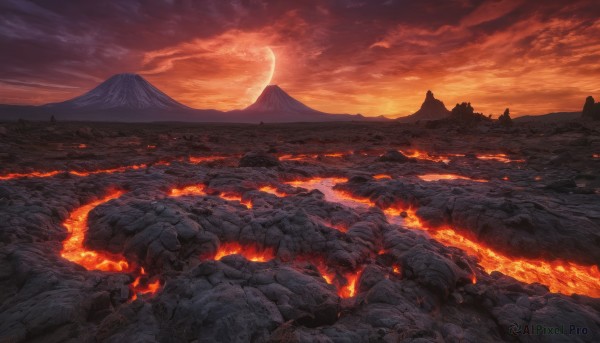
(323, 232)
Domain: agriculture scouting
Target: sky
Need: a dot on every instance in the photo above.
(340, 56)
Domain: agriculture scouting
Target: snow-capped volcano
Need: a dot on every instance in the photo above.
(122, 91)
(275, 99)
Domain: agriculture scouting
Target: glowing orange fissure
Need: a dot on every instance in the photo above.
(37, 174)
(560, 276)
(248, 251)
(200, 190)
(438, 177)
(346, 286)
(423, 155)
(498, 157)
(74, 250)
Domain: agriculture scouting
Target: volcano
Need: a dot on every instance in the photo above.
(276, 105)
(275, 99)
(122, 91)
(431, 109)
(121, 98)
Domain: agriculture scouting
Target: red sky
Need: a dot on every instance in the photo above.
(340, 56)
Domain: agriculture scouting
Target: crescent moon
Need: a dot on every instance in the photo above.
(272, 72)
(269, 78)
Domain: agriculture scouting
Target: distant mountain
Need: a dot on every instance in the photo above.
(130, 98)
(431, 109)
(122, 91)
(275, 105)
(549, 118)
(275, 99)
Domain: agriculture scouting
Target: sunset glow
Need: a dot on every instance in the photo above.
(371, 58)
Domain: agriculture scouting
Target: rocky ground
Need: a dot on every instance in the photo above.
(332, 272)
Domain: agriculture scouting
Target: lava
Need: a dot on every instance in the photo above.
(74, 251)
(193, 190)
(348, 290)
(272, 190)
(109, 171)
(560, 276)
(423, 155)
(438, 177)
(203, 159)
(249, 252)
(381, 176)
(497, 157)
(73, 248)
(32, 174)
(334, 154)
(299, 157)
(236, 197)
(146, 287)
(346, 285)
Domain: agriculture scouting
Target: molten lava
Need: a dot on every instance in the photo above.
(381, 176)
(146, 287)
(497, 157)
(272, 190)
(194, 190)
(334, 154)
(109, 171)
(236, 197)
(423, 155)
(32, 174)
(348, 290)
(73, 249)
(346, 286)
(250, 252)
(203, 159)
(300, 157)
(438, 177)
(560, 276)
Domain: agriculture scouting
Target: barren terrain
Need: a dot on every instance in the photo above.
(328, 232)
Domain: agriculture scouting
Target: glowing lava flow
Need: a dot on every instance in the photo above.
(300, 157)
(423, 155)
(381, 176)
(560, 276)
(202, 159)
(73, 249)
(32, 174)
(272, 190)
(497, 157)
(346, 286)
(236, 197)
(194, 190)
(438, 177)
(109, 171)
(193, 160)
(249, 252)
(143, 288)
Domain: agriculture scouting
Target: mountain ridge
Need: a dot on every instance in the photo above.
(431, 109)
